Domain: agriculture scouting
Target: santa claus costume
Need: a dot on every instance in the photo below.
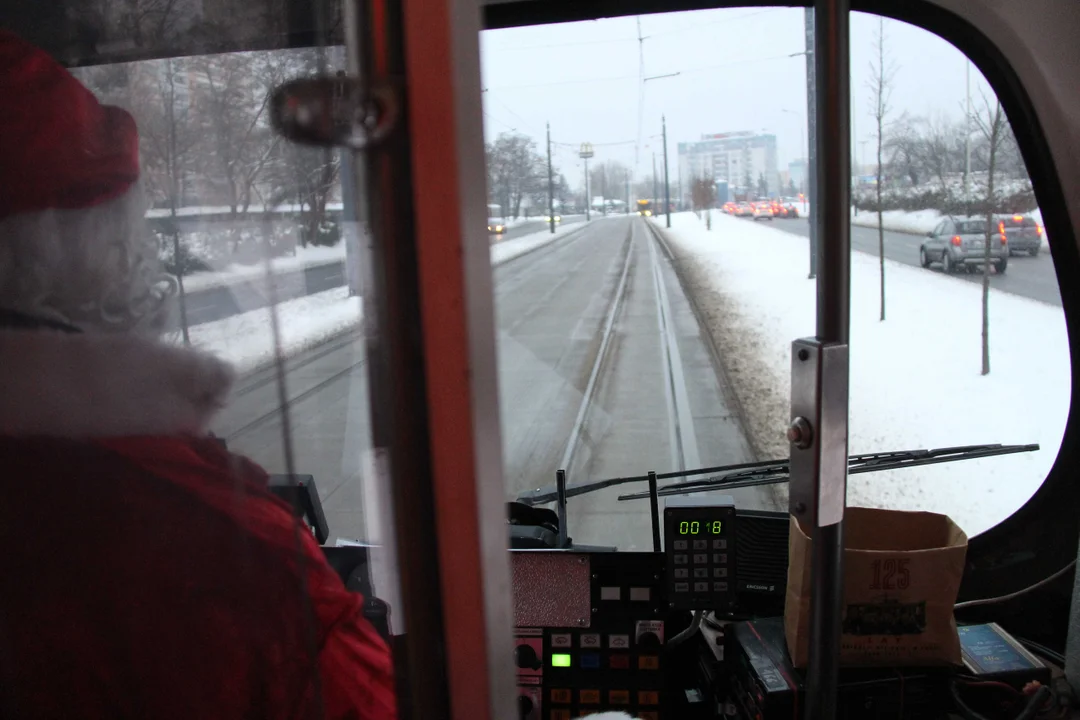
(147, 572)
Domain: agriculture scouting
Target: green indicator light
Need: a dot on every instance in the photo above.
(560, 660)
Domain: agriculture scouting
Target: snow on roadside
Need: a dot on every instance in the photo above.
(916, 222)
(506, 250)
(305, 257)
(915, 378)
(246, 340)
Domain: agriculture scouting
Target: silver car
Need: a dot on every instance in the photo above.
(1023, 232)
(957, 243)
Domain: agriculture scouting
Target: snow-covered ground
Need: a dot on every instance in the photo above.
(916, 222)
(305, 257)
(915, 378)
(246, 340)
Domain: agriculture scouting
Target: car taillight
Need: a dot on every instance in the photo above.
(1004, 240)
(956, 240)
(1001, 232)
(1018, 218)
(1038, 229)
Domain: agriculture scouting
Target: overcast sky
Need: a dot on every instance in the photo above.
(734, 69)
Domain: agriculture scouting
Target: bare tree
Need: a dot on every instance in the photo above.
(991, 123)
(882, 74)
(513, 165)
(234, 91)
(703, 197)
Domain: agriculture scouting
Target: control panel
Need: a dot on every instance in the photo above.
(611, 655)
(699, 549)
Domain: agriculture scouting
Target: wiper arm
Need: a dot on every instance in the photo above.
(550, 493)
(779, 471)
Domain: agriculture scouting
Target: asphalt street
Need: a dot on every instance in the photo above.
(652, 400)
(1031, 277)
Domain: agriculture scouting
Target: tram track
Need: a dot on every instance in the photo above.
(261, 378)
(681, 432)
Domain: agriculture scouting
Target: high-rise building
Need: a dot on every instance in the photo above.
(742, 159)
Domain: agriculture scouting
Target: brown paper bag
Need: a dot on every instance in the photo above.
(901, 575)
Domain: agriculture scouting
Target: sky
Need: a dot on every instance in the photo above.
(735, 72)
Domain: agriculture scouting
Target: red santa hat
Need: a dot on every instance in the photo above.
(59, 147)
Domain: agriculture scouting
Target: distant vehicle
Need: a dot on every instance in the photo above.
(495, 227)
(744, 209)
(763, 210)
(558, 218)
(957, 242)
(645, 208)
(791, 210)
(779, 210)
(1023, 233)
(730, 207)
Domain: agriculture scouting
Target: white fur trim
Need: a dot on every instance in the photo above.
(106, 385)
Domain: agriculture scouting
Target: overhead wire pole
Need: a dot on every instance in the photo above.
(667, 184)
(551, 189)
(655, 192)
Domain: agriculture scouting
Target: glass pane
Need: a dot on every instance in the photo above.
(208, 274)
(627, 346)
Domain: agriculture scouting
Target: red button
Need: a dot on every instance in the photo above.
(619, 661)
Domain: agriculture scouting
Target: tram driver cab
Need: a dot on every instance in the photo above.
(271, 390)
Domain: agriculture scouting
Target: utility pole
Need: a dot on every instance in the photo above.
(667, 185)
(655, 192)
(811, 127)
(585, 153)
(603, 188)
(551, 187)
(627, 193)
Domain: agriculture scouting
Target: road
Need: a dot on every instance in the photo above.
(602, 369)
(218, 303)
(1031, 277)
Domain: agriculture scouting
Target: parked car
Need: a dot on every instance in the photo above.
(495, 227)
(1024, 234)
(957, 243)
(763, 210)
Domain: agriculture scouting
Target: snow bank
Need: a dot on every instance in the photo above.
(915, 378)
(507, 250)
(916, 222)
(305, 257)
(246, 340)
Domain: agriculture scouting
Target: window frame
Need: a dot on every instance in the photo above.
(1003, 558)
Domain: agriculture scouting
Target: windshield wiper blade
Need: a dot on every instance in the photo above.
(550, 493)
(778, 471)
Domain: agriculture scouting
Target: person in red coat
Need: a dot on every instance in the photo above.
(146, 571)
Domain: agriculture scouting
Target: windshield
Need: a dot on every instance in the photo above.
(628, 344)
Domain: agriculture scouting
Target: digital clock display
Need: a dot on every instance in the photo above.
(698, 527)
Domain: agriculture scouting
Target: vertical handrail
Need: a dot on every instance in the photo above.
(820, 365)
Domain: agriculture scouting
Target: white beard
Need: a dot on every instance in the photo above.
(106, 385)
